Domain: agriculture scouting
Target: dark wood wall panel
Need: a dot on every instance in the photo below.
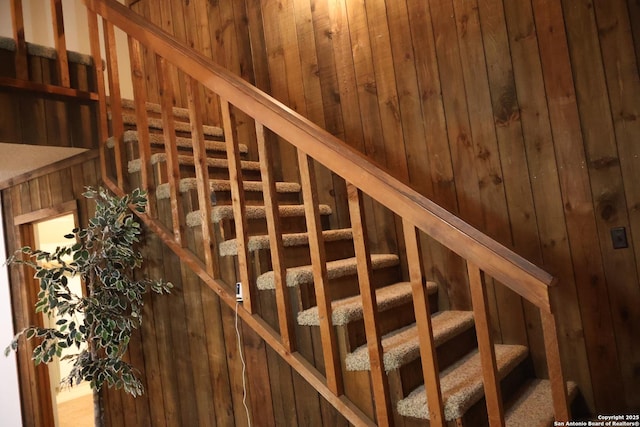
(44, 193)
(28, 118)
(522, 117)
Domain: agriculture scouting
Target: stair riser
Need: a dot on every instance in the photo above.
(388, 321)
(295, 256)
(132, 148)
(188, 171)
(347, 286)
(252, 198)
(258, 226)
(178, 133)
(477, 414)
(447, 354)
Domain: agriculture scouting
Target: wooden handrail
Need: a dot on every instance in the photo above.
(501, 263)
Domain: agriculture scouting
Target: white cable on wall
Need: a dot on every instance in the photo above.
(244, 368)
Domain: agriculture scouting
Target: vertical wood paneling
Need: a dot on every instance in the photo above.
(458, 127)
(513, 158)
(489, 108)
(42, 192)
(576, 196)
(552, 234)
(490, 181)
(615, 24)
(606, 178)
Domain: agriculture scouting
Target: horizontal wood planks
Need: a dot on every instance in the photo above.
(489, 108)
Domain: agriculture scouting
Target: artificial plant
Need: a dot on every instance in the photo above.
(104, 255)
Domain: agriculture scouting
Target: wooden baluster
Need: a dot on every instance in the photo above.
(320, 278)
(115, 100)
(554, 363)
(239, 211)
(285, 318)
(380, 384)
(202, 175)
(17, 18)
(103, 126)
(142, 123)
(170, 147)
(485, 345)
(430, 370)
(62, 62)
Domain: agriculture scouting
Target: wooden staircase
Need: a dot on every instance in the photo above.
(528, 399)
(364, 329)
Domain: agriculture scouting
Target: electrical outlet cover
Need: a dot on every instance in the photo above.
(239, 292)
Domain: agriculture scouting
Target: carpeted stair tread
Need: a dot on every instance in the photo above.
(156, 123)
(8, 43)
(225, 212)
(461, 384)
(178, 112)
(158, 139)
(134, 165)
(349, 309)
(189, 184)
(297, 276)
(256, 243)
(403, 345)
(533, 406)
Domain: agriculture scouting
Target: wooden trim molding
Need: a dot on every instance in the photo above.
(50, 91)
(47, 213)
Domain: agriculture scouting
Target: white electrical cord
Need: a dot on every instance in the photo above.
(244, 368)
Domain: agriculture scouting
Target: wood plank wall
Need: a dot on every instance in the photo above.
(187, 350)
(40, 197)
(27, 118)
(522, 117)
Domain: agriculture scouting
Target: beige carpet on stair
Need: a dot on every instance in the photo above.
(534, 407)
(7, 43)
(461, 384)
(303, 275)
(256, 243)
(178, 112)
(225, 212)
(155, 123)
(181, 142)
(349, 309)
(190, 184)
(135, 165)
(403, 345)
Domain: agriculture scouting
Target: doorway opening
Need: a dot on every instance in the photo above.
(72, 407)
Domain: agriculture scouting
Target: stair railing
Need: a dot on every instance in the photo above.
(483, 255)
(22, 81)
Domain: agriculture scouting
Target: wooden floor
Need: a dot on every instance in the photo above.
(76, 412)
